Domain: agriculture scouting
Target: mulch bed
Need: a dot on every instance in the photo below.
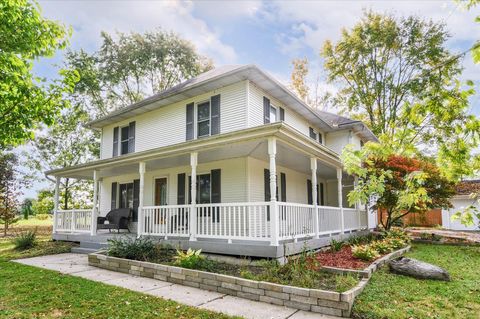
(341, 259)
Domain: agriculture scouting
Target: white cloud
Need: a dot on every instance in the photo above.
(89, 18)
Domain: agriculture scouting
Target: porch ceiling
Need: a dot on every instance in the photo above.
(293, 150)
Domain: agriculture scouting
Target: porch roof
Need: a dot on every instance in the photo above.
(284, 132)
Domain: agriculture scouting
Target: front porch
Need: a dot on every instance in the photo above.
(247, 216)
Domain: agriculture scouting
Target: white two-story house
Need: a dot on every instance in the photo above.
(231, 162)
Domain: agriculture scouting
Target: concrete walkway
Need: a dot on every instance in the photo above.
(77, 265)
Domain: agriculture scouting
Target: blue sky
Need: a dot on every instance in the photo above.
(269, 34)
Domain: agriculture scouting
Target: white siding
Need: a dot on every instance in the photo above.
(255, 111)
(166, 125)
(459, 204)
(233, 181)
(296, 182)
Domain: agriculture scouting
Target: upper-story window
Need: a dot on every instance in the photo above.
(313, 135)
(124, 139)
(207, 119)
(203, 119)
(272, 114)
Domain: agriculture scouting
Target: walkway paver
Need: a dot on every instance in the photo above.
(77, 265)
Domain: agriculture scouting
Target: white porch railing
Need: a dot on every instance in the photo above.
(296, 220)
(248, 221)
(171, 220)
(74, 220)
(231, 221)
(234, 221)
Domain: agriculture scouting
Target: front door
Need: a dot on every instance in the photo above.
(161, 191)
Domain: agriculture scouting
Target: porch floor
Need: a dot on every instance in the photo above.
(215, 246)
(77, 265)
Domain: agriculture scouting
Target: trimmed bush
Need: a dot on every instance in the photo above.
(26, 240)
(365, 252)
(143, 249)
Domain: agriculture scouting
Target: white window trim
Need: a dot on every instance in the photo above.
(189, 176)
(277, 113)
(120, 139)
(196, 122)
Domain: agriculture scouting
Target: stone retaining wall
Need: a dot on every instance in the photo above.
(321, 301)
(316, 300)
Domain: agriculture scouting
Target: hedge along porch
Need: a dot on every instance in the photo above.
(254, 193)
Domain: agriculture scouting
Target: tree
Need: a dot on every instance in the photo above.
(44, 202)
(397, 76)
(129, 68)
(10, 186)
(27, 209)
(400, 184)
(25, 99)
(66, 143)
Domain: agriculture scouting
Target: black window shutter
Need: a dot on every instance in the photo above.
(115, 141)
(282, 114)
(309, 192)
(283, 191)
(312, 133)
(320, 138)
(216, 193)
(190, 116)
(215, 114)
(114, 195)
(322, 199)
(318, 196)
(181, 189)
(136, 198)
(131, 137)
(266, 110)
(266, 180)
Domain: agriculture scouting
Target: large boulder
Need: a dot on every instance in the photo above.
(418, 269)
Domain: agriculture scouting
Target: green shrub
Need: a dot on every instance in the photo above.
(336, 245)
(430, 236)
(382, 246)
(365, 252)
(143, 249)
(26, 240)
(42, 216)
(192, 259)
(398, 233)
(361, 240)
(396, 243)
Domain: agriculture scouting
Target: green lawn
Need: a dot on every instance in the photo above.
(32, 221)
(394, 296)
(29, 292)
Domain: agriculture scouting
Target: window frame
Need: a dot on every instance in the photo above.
(120, 140)
(275, 113)
(198, 121)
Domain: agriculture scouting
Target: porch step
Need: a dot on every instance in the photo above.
(81, 250)
(92, 245)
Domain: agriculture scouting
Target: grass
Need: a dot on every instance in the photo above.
(30, 292)
(395, 296)
(32, 221)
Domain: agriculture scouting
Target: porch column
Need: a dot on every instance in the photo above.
(357, 204)
(93, 226)
(193, 192)
(313, 166)
(274, 222)
(340, 199)
(55, 203)
(141, 221)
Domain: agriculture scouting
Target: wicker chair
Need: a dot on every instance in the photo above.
(117, 219)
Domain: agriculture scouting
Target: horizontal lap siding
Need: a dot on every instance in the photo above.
(233, 180)
(166, 125)
(255, 111)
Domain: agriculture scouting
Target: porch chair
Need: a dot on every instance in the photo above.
(117, 219)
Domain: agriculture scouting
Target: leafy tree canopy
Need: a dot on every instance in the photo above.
(397, 76)
(400, 184)
(130, 67)
(25, 99)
